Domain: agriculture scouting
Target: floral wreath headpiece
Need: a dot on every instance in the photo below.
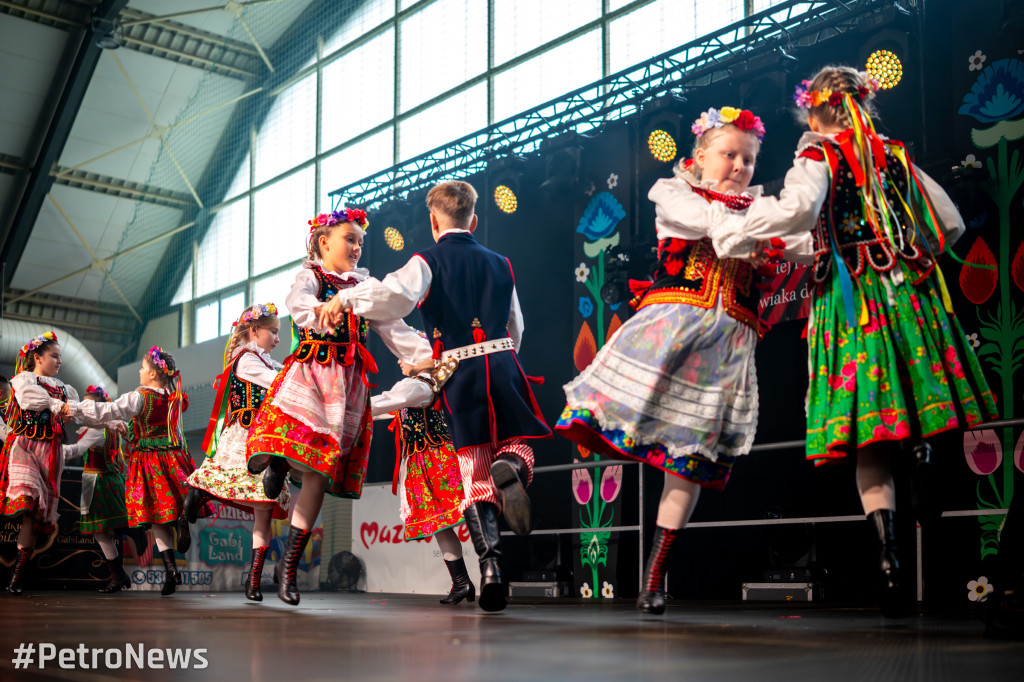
(344, 215)
(743, 119)
(256, 312)
(97, 390)
(155, 356)
(806, 98)
(37, 342)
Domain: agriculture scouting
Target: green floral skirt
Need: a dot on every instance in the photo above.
(902, 370)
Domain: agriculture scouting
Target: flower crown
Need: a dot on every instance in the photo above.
(97, 390)
(37, 342)
(806, 98)
(155, 356)
(743, 119)
(355, 215)
(256, 312)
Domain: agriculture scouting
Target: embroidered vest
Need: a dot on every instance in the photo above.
(422, 429)
(244, 397)
(327, 348)
(33, 424)
(690, 272)
(842, 220)
(150, 427)
(100, 459)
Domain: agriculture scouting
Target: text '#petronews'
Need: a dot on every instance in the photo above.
(87, 658)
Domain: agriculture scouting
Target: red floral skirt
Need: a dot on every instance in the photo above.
(156, 487)
(277, 434)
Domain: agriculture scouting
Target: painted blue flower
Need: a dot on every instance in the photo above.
(586, 306)
(998, 94)
(979, 220)
(601, 216)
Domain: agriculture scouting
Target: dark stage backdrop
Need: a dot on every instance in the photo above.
(583, 223)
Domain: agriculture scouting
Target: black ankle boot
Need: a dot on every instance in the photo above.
(195, 498)
(509, 475)
(462, 586)
(273, 478)
(172, 577)
(184, 535)
(926, 503)
(252, 581)
(119, 580)
(288, 564)
(895, 601)
(652, 599)
(18, 571)
(482, 522)
(138, 537)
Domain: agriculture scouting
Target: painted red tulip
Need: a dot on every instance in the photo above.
(582, 485)
(1017, 267)
(979, 283)
(611, 483)
(983, 451)
(585, 349)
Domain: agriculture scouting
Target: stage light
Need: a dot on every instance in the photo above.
(394, 239)
(505, 199)
(885, 66)
(662, 145)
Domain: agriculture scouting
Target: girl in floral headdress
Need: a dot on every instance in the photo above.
(248, 372)
(159, 461)
(316, 417)
(675, 386)
(888, 360)
(32, 460)
(104, 515)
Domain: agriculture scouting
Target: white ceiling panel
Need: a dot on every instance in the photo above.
(34, 49)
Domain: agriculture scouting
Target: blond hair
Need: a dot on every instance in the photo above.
(243, 329)
(704, 141)
(454, 199)
(838, 79)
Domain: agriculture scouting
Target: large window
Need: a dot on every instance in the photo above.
(395, 79)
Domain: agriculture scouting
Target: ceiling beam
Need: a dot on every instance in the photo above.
(62, 15)
(126, 189)
(67, 90)
(188, 45)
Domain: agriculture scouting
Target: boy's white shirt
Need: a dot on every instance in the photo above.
(400, 292)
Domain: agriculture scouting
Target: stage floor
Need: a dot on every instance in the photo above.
(371, 637)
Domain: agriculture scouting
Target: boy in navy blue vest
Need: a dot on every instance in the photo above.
(467, 296)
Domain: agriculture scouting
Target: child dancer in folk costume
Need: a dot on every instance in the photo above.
(888, 360)
(159, 461)
(30, 481)
(675, 387)
(427, 478)
(104, 514)
(316, 416)
(248, 372)
(467, 296)
(5, 405)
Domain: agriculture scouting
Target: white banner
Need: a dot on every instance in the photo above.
(392, 564)
(220, 554)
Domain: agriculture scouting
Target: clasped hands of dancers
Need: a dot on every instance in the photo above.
(675, 387)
